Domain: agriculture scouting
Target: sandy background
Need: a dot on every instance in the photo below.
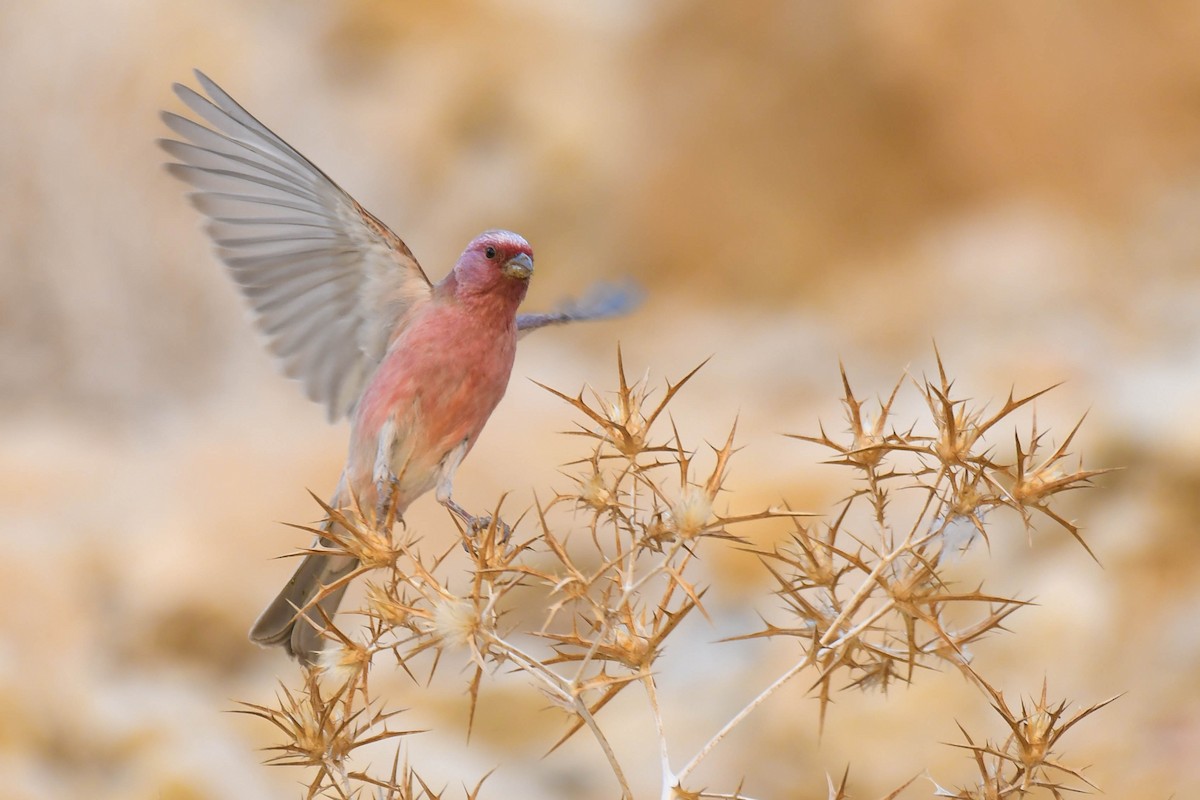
(792, 182)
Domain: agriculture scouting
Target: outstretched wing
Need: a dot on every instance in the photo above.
(602, 301)
(328, 282)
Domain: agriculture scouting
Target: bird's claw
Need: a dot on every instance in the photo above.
(480, 525)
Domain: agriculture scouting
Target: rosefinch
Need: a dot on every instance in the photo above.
(417, 367)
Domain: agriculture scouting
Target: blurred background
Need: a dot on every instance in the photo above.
(792, 182)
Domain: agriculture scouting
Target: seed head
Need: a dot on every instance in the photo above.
(455, 621)
(692, 512)
(344, 663)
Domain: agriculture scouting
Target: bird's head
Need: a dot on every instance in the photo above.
(496, 262)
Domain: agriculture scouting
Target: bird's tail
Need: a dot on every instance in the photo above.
(301, 633)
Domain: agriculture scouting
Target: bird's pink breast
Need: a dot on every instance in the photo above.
(440, 381)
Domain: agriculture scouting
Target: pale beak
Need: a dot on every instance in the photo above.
(519, 266)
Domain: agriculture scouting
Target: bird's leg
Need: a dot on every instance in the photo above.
(445, 491)
(476, 525)
(385, 479)
(454, 508)
(385, 492)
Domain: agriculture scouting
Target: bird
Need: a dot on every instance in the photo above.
(416, 367)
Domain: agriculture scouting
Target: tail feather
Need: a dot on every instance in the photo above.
(301, 633)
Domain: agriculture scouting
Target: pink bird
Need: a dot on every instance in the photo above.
(417, 367)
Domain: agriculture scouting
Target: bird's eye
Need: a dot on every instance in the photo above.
(490, 252)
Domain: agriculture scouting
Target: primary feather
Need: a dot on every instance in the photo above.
(328, 282)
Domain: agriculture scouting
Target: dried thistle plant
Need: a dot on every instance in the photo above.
(1025, 760)
(868, 595)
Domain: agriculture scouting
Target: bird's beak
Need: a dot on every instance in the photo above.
(519, 266)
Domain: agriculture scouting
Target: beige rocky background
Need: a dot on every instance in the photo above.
(793, 182)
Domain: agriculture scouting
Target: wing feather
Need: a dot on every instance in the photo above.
(327, 281)
(602, 301)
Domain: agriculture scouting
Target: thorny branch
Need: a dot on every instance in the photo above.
(611, 562)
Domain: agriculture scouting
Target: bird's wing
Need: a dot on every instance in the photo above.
(328, 282)
(602, 301)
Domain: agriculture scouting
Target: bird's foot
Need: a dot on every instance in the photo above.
(486, 539)
(477, 527)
